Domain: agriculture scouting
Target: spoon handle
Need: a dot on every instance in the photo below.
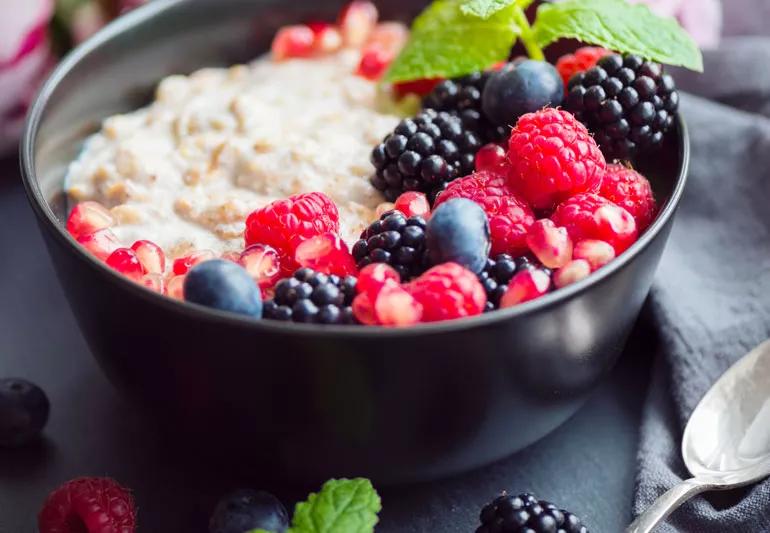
(667, 503)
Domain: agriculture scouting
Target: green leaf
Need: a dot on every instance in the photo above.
(342, 506)
(445, 42)
(619, 26)
(484, 8)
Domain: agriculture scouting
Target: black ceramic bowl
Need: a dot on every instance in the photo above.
(308, 401)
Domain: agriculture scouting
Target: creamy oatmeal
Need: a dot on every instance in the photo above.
(186, 171)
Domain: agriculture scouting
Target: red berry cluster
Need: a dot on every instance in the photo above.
(582, 60)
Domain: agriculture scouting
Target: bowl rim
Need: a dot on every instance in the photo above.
(144, 15)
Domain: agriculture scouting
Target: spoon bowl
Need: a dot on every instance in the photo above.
(726, 443)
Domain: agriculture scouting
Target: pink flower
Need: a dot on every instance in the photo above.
(701, 18)
(24, 60)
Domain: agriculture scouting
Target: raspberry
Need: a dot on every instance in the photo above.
(590, 216)
(553, 157)
(448, 291)
(631, 191)
(94, 505)
(583, 59)
(284, 224)
(509, 216)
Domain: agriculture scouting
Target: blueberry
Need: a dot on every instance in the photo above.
(518, 89)
(24, 410)
(244, 510)
(458, 231)
(225, 286)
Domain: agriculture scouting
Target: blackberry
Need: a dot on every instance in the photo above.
(396, 240)
(497, 274)
(525, 514)
(424, 153)
(462, 97)
(628, 103)
(313, 297)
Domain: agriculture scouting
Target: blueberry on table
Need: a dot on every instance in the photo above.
(245, 510)
(458, 231)
(521, 88)
(24, 410)
(223, 285)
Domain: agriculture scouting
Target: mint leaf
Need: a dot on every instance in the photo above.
(619, 26)
(342, 506)
(445, 42)
(484, 8)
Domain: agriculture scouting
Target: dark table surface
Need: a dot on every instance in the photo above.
(586, 466)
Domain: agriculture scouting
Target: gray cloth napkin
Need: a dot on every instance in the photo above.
(711, 299)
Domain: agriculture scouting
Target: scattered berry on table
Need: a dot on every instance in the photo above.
(553, 157)
(285, 223)
(88, 504)
(631, 191)
(24, 410)
(223, 285)
(584, 58)
(88, 217)
(413, 204)
(448, 291)
(527, 284)
(245, 510)
(356, 21)
(100, 243)
(125, 261)
(550, 244)
(423, 153)
(496, 275)
(313, 297)
(293, 41)
(263, 264)
(458, 232)
(590, 216)
(597, 253)
(462, 97)
(327, 254)
(182, 265)
(151, 256)
(490, 157)
(525, 514)
(572, 272)
(520, 88)
(395, 240)
(510, 217)
(627, 103)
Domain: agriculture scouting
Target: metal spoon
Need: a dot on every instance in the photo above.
(726, 443)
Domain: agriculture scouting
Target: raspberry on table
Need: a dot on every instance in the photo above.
(396, 240)
(526, 514)
(553, 157)
(88, 504)
(631, 191)
(424, 153)
(510, 217)
(626, 102)
(284, 224)
(590, 216)
(448, 291)
(583, 59)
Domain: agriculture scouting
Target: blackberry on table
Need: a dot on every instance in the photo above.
(424, 153)
(498, 273)
(462, 97)
(312, 297)
(526, 514)
(628, 103)
(396, 240)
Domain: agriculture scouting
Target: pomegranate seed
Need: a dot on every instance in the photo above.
(525, 286)
(125, 261)
(374, 62)
(151, 256)
(571, 273)
(550, 244)
(374, 277)
(326, 253)
(390, 36)
(418, 87)
(363, 310)
(357, 21)
(88, 217)
(413, 203)
(175, 287)
(326, 37)
(100, 243)
(263, 264)
(154, 282)
(616, 225)
(597, 253)
(490, 157)
(183, 264)
(293, 41)
(395, 306)
(233, 256)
